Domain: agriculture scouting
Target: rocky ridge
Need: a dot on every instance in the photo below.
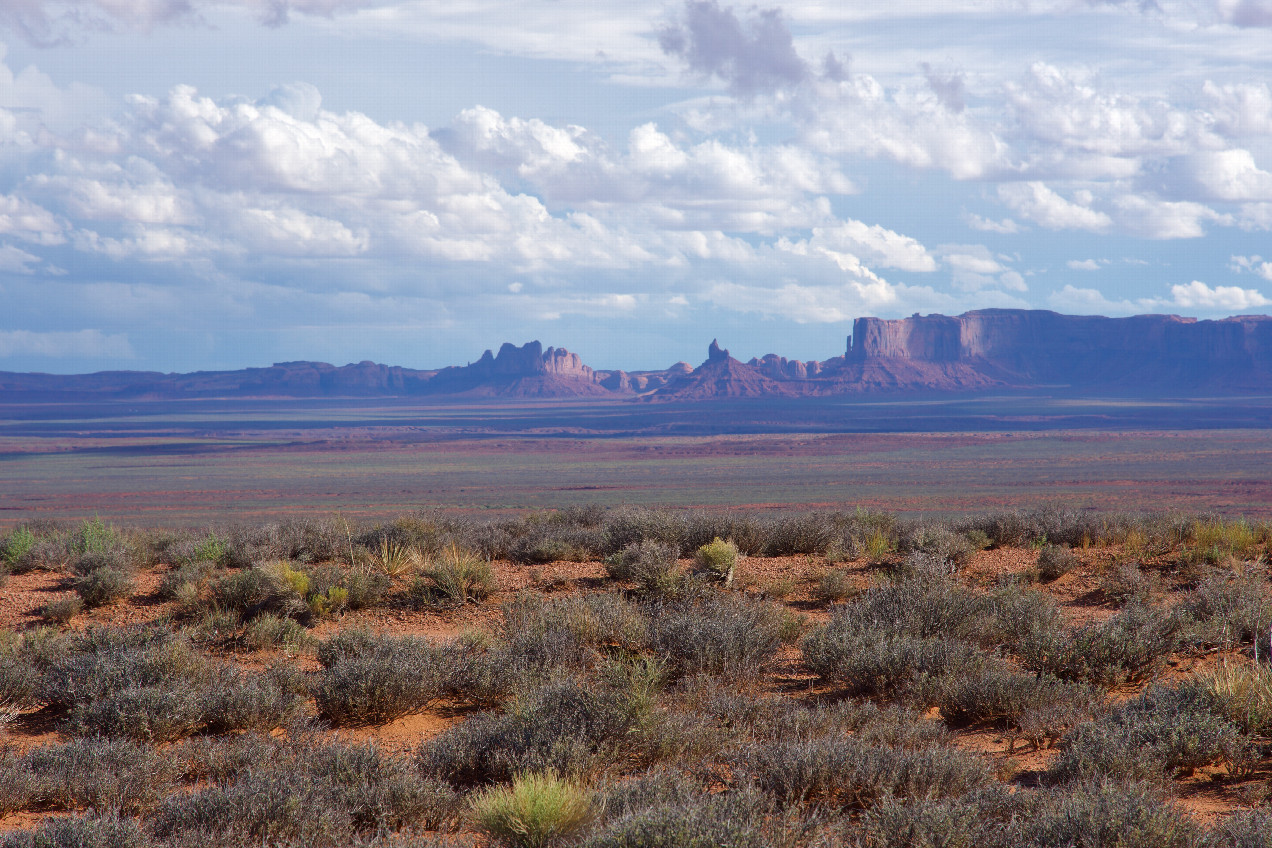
(985, 350)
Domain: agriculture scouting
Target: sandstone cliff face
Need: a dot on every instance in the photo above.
(992, 349)
(935, 338)
(1027, 347)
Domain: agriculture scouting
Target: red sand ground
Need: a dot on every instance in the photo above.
(790, 580)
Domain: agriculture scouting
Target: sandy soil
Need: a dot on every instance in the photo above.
(790, 580)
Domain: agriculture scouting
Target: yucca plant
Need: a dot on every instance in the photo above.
(395, 559)
(457, 577)
(534, 810)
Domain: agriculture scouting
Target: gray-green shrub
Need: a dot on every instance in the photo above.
(1127, 647)
(843, 771)
(1151, 737)
(652, 566)
(107, 775)
(374, 679)
(93, 830)
(1104, 813)
(738, 819)
(726, 635)
(564, 726)
(1055, 561)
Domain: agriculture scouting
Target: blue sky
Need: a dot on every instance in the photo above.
(199, 184)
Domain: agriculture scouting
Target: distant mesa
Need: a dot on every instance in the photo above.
(986, 350)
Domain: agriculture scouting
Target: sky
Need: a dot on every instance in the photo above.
(210, 184)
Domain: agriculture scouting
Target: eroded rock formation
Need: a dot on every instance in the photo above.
(990, 349)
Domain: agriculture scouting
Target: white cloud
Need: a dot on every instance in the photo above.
(83, 344)
(1253, 265)
(859, 116)
(973, 258)
(255, 178)
(852, 242)
(1004, 227)
(1040, 204)
(1226, 175)
(15, 261)
(806, 304)
(1088, 301)
(150, 244)
(1255, 216)
(532, 146)
(28, 221)
(1239, 109)
(554, 307)
(1012, 281)
(1151, 217)
(1066, 108)
(290, 231)
(1198, 295)
(625, 208)
(708, 185)
(1195, 296)
(117, 199)
(974, 268)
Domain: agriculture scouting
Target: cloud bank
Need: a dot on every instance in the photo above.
(779, 168)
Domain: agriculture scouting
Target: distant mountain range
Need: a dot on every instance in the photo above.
(985, 350)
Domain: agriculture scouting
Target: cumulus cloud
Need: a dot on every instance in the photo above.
(484, 136)
(1195, 296)
(81, 344)
(1198, 295)
(115, 197)
(755, 54)
(634, 221)
(1252, 265)
(973, 258)
(1088, 301)
(1239, 109)
(860, 116)
(806, 304)
(1045, 207)
(973, 268)
(851, 242)
(255, 177)
(947, 86)
(1226, 175)
(1152, 217)
(28, 221)
(287, 231)
(658, 179)
(1067, 107)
